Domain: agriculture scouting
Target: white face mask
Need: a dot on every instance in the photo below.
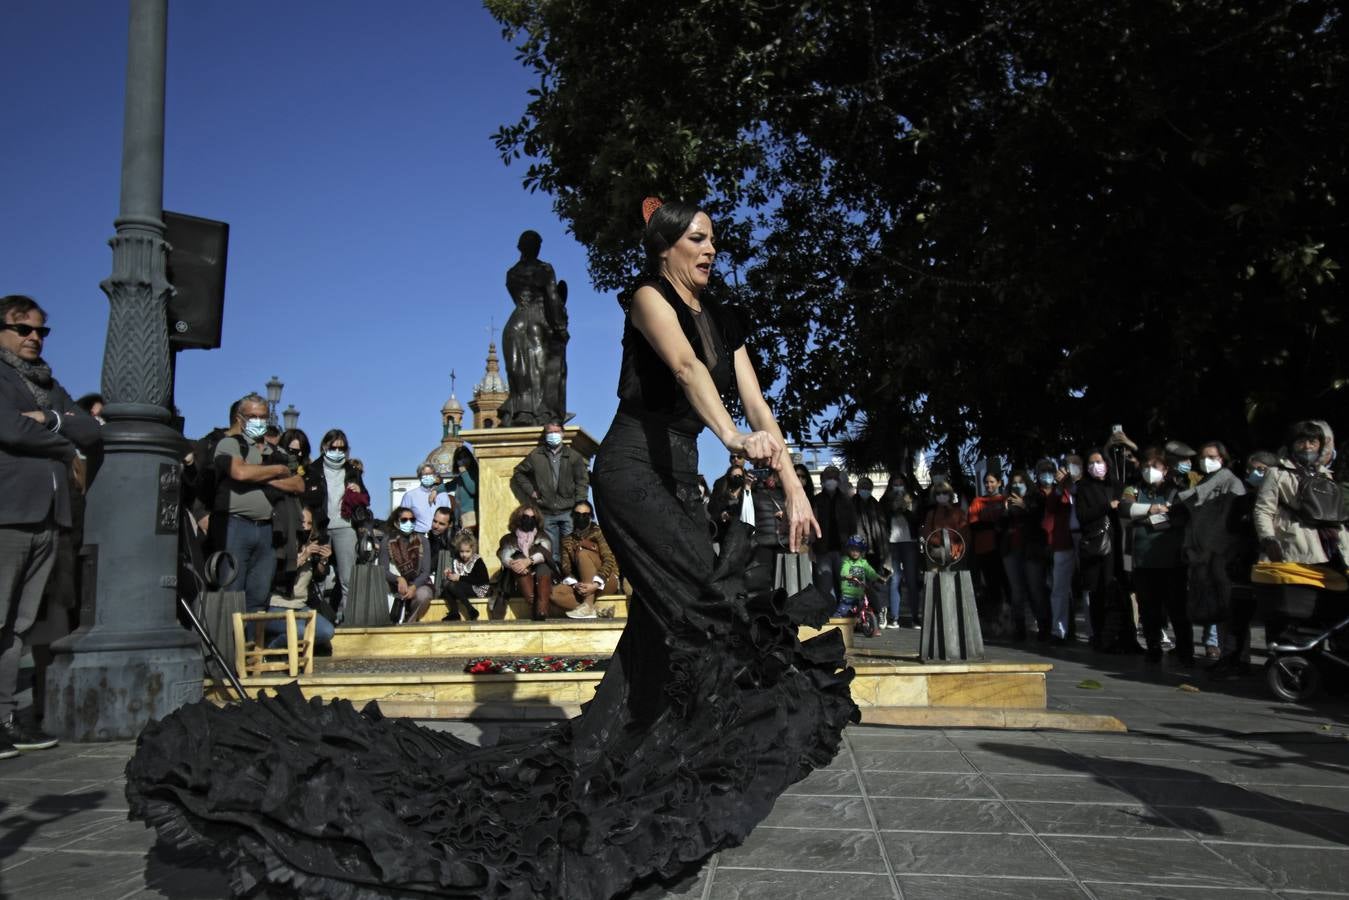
(553, 438)
(1211, 465)
(1152, 475)
(255, 428)
(428, 481)
(336, 457)
(1074, 470)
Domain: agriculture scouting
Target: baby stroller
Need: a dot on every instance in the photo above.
(1308, 608)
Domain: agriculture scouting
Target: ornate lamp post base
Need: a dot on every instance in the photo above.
(130, 661)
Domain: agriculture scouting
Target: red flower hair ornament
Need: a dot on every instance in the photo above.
(649, 206)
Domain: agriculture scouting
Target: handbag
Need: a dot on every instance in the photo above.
(793, 572)
(1096, 540)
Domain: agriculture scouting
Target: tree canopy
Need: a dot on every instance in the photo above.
(1008, 221)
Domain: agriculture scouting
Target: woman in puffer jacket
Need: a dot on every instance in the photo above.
(1283, 534)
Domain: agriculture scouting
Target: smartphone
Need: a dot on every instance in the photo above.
(1117, 429)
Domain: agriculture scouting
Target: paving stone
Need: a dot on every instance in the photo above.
(792, 848)
(910, 739)
(916, 887)
(792, 811)
(1309, 799)
(1181, 861)
(1097, 820)
(828, 781)
(760, 884)
(1058, 788)
(927, 784)
(990, 816)
(1260, 826)
(87, 876)
(1016, 759)
(1292, 868)
(969, 854)
(1208, 794)
(912, 761)
(1189, 892)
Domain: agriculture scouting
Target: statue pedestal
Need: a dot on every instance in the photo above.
(499, 451)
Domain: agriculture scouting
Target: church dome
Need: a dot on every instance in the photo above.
(452, 405)
(443, 459)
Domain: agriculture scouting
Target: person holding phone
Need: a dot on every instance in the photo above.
(312, 562)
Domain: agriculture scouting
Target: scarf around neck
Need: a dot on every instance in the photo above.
(37, 376)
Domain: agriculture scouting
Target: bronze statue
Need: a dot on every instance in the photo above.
(534, 340)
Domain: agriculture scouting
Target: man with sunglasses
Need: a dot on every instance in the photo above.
(41, 429)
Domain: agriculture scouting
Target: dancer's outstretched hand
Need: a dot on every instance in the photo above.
(802, 528)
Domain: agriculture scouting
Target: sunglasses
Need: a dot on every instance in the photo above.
(25, 330)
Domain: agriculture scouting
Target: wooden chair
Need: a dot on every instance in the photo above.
(254, 657)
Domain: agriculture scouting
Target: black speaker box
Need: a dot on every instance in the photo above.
(196, 269)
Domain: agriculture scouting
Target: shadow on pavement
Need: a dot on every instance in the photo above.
(1181, 798)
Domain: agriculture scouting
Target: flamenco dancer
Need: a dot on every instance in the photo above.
(709, 710)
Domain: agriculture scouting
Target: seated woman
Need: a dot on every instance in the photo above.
(526, 557)
(589, 569)
(311, 566)
(405, 560)
(466, 578)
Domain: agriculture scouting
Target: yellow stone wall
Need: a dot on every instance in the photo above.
(499, 451)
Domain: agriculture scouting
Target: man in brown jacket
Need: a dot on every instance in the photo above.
(588, 565)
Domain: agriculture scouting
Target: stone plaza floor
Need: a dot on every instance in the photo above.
(1217, 792)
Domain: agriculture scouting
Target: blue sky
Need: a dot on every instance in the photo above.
(371, 219)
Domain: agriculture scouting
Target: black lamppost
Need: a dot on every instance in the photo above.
(273, 398)
(291, 416)
(130, 661)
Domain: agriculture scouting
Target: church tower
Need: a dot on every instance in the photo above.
(489, 394)
(451, 420)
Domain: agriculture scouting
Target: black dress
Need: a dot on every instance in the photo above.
(710, 708)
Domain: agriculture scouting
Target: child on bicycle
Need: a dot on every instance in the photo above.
(854, 574)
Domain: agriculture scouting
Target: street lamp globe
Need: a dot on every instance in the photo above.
(291, 415)
(274, 391)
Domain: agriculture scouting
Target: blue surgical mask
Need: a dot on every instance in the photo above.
(1046, 478)
(1019, 489)
(428, 481)
(553, 438)
(1255, 478)
(255, 428)
(864, 493)
(1184, 467)
(336, 457)
(407, 526)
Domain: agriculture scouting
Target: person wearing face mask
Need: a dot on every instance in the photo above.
(465, 484)
(986, 526)
(1024, 552)
(589, 569)
(299, 590)
(1284, 533)
(553, 478)
(901, 513)
(1180, 458)
(1236, 636)
(526, 556)
(1095, 502)
(1054, 487)
(405, 560)
(427, 497)
(1158, 523)
(945, 512)
(732, 500)
(326, 493)
(292, 448)
(249, 479)
(873, 527)
(838, 522)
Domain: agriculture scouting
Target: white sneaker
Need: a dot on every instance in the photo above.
(582, 612)
(892, 625)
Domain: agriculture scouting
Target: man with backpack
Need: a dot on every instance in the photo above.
(247, 482)
(1300, 512)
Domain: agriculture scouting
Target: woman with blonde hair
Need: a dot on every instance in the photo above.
(465, 579)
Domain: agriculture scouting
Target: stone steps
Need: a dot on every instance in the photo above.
(509, 637)
(516, 608)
